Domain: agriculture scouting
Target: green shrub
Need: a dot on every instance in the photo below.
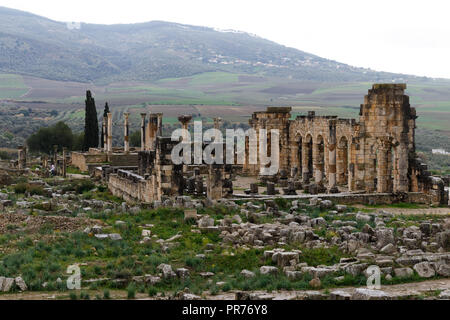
(131, 291)
(84, 296)
(106, 294)
(20, 188)
(84, 186)
(152, 291)
(73, 296)
(35, 190)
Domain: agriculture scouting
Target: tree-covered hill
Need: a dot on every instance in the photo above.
(40, 47)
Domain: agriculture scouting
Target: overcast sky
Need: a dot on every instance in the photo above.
(388, 35)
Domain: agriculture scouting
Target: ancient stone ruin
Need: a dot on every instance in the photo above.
(373, 155)
(370, 160)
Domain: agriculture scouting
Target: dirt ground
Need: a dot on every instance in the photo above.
(399, 290)
(420, 211)
(10, 222)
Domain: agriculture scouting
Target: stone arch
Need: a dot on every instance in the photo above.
(296, 155)
(385, 164)
(342, 161)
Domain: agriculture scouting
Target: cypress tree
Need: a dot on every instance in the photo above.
(90, 123)
(105, 114)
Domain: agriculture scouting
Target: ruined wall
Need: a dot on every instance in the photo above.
(376, 154)
(273, 118)
(124, 160)
(82, 160)
(386, 140)
(131, 187)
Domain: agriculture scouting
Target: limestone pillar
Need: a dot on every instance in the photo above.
(332, 157)
(402, 181)
(318, 163)
(109, 149)
(55, 155)
(342, 163)
(126, 144)
(64, 162)
(215, 182)
(217, 123)
(143, 115)
(270, 188)
(22, 157)
(105, 134)
(44, 161)
(185, 137)
(383, 172)
(154, 129)
(184, 120)
(306, 147)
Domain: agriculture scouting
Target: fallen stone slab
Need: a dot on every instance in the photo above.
(445, 294)
(21, 283)
(115, 236)
(403, 272)
(247, 273)
(7, 284)
(368, 294)
(268, 270)
(424, 269)
(340, 295)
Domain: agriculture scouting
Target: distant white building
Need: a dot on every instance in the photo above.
(439, 151)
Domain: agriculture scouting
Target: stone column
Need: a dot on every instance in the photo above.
(109, 149)
(44, 161)
(184, 120)
(402, 181)
(318, 163)
(21, 157)
(126, 143)
(55, 155)
(154, 128)
(215, 182)
(105, 134)
(64, 162)
(332, 157)
(383, 172)
(159, 131)
(305, 161)
(270, 188)
(143, 115)
(217, 123)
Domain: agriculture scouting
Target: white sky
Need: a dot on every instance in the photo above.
(405, 36)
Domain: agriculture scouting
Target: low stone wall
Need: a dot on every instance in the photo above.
(124, 160)
(358, 198)
(131, 187)
(83, 160)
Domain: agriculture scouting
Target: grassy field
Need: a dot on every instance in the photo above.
(12, 86)
(234, 97)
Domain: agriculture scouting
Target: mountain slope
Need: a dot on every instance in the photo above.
(37, 46)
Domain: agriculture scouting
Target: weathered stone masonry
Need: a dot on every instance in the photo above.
(375, 154)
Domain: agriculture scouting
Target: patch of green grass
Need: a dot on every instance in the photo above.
(318, 256)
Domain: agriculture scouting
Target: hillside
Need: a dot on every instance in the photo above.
(36, 46)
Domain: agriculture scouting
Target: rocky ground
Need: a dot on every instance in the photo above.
(187, 248)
